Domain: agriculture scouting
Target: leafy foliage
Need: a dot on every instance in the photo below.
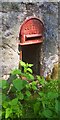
(26, 96)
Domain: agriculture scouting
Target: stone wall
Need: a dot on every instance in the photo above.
(13, 14)
(59, 30)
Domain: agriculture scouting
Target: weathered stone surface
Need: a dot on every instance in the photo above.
(13, 14)
(59, 30)
(30, 1)
(49, 64)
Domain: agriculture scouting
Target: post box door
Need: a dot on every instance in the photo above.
(31, 31)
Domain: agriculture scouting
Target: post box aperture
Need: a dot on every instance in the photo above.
(31, 38)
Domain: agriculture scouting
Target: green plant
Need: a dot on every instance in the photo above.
(28, 96)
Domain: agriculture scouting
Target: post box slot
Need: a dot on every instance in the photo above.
(33, 37)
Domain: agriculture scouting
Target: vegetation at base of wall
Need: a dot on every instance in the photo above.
(27, 96)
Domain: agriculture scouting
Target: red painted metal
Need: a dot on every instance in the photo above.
(31, 31)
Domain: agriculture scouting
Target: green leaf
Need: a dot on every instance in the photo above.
(0, 113)
(8, 112)
(57, 106)
(24, 83)
(52, 95)
(4, 97)
(29, 70)
(36, 107)
(3, 84)
(19, 112)
(20, 96)
(19, 84)
(29, 76)
(15, 72)
(34, 83)
(30, 65)
(25, 69)
(28, 86)
(41, 94)
(47, 113)
(41, 80)
(13, 89)
(28, 93)
(14, 102)
(34, 87)
(22, 63)
(5, 104)
(38, 77)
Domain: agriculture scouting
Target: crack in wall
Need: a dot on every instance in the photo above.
(9, 46)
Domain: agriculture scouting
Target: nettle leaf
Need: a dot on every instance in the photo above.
(19, 112)
(52, 95)
(20, 96)
(28, 93)
(29, 76)
(24, 83)
(57, 106)
(19, 84)
(41, 80)
(38, 77)
(5, 104)
(8, 112)
(30, 65)
(34, 83)
(3, 84)
(25, 69)
(47, 113)
(34, 87)
(15, 72)
(36, 107)
(23, 64)
(4, 97)
(14, 102)
(28, 86)
(29, 70)
(41, 94)
(24, 75)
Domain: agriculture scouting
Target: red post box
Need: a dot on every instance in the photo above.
(31, 37)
